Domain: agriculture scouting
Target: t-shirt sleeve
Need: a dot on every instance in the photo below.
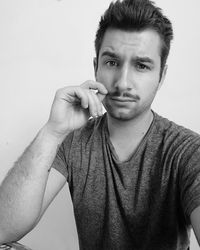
(61, 161)
(189, 181)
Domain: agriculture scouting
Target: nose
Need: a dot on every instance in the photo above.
(123, 79)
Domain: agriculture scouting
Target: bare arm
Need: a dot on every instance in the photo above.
(195, 221)
(22, 191)
(23, 198)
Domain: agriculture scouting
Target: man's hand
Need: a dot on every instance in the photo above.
(73, 106)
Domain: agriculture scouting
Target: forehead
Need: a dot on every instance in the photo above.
(132, 43)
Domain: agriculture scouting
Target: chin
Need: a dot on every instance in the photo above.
(122, 115)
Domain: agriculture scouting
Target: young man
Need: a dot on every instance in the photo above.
(133, 175)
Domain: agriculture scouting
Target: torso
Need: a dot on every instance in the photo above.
(129, 198)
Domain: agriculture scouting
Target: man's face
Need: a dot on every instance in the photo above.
(129, 67)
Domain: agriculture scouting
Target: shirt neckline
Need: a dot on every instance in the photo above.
(139, 147)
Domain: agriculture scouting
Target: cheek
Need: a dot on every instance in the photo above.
(149, 89)
(104, 78)
(151, 81)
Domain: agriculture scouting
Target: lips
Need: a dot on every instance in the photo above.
(123, 99)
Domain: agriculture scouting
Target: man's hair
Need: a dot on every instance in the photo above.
(136, 15)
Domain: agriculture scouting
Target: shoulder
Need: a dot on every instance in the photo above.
(173, 132)
(176, 139)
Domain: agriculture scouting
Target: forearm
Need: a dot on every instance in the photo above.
(22, 191)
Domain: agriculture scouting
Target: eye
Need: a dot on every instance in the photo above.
(111, 63)
(142, 67)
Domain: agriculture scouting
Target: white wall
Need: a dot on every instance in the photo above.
(46, 44)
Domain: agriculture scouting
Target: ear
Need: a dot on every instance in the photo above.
(95, 66)
(163, 76)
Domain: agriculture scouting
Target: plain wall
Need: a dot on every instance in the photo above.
(48, 44)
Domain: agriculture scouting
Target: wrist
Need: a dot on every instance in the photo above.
(53, 134)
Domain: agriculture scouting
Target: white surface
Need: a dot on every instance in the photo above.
(46, 44)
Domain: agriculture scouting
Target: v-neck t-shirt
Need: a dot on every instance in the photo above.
(142, 203)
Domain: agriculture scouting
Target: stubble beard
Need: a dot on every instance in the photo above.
(121, 115)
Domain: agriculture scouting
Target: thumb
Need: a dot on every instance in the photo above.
(101, 96)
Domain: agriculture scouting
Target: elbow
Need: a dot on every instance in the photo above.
(6, 238)
(14, 230)
(12, 236)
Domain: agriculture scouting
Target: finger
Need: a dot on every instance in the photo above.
(79, 95)
(92, 104)
(75, 95)
(97, 103)
(100, 96)
(96, 86)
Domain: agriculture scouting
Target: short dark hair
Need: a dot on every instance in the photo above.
(136, 15)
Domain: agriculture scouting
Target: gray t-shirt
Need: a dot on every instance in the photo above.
(143, 203)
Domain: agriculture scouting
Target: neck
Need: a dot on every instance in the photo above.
(135, 128)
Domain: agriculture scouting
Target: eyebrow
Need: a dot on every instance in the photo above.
(110, 54)
(145, 59)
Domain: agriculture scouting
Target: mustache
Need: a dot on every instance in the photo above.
(124, 94)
